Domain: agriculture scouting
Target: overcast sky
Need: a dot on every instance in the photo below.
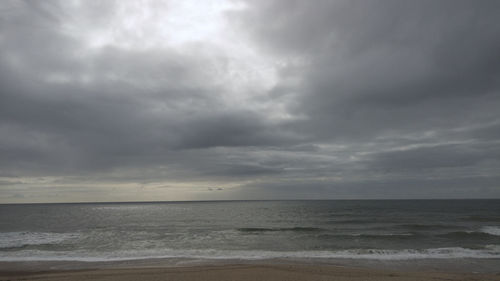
(201, 100)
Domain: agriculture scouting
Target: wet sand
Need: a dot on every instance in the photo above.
(241, 272)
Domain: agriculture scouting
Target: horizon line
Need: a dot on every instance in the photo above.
(244, 200)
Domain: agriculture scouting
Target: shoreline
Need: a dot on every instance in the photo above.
(240, 271)
(462, 265)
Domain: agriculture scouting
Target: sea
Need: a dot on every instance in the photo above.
(252, 230)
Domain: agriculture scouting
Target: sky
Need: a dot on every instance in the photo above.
(218, 100)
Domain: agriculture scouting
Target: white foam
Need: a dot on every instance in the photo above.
(492, 230)
(20, 239)
(491, 251)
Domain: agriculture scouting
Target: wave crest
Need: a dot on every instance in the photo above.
(490, 251)
(277, 229)
(492, 230)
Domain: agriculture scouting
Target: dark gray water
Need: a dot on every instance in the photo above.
(383, 230)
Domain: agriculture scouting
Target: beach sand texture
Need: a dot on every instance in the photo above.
(242, 273)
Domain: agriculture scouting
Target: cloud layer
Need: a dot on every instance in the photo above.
(260, 100)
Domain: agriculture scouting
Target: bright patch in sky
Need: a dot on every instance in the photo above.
(195, 28)
(135, 24)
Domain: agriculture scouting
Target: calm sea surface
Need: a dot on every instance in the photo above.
(383, 230)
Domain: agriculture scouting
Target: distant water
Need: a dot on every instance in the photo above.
(382, 230)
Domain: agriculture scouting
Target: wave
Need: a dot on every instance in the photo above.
(263, 229)
(481, 218)
(419, 227)
(370, 236)
(490, 251)
(484, 232)
(9, 240)
(352, 221)
(492, 230)
(466, 235)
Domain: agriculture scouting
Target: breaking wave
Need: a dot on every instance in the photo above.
(263, 229)
(490, 251)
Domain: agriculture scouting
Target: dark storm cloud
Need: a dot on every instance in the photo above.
(380, 96)
(232, 129)
(387, 65)
(379, 76)
(101, 128)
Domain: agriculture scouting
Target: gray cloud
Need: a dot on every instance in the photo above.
(466, 187)
(136, 107)
(441, 156)
(370, 98)
(387, 65)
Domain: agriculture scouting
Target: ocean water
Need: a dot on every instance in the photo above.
(252, 230)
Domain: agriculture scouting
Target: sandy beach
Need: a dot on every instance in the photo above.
(244, 272)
